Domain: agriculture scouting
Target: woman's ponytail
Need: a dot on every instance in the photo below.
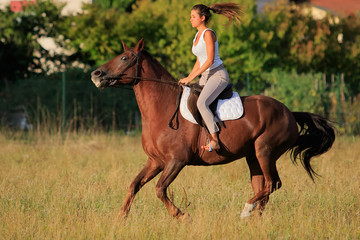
(229, 10)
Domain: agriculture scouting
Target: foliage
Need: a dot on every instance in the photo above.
(122, 5)
(349, 57)
(285, 36)
(329, 45)
(299, 92)
(20, 52)
(110, 27)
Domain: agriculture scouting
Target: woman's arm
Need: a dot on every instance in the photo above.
(196, 67)
(210, 39)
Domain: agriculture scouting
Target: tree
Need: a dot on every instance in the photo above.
(20, 51)
(121, 5)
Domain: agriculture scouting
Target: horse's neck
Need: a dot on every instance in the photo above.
(156, 98)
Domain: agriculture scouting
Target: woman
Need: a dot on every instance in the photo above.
(214, 76)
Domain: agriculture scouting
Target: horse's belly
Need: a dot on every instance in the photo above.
(213, 158)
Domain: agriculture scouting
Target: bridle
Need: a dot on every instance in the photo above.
(135, 60)
(137, 79)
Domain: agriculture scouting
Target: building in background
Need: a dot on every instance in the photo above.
(17, 6)
(71, 7)
(337, 6)
(320, 8)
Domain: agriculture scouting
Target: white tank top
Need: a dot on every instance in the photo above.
(200, 51)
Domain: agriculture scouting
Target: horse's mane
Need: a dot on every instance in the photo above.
(168, 77)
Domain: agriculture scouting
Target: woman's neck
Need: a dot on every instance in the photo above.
(201, 28)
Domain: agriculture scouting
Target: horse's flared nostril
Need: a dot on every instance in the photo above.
(98, 73)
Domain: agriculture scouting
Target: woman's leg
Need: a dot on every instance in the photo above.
(214, 86)
(210, 92)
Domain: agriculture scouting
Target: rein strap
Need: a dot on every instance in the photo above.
(176, 113)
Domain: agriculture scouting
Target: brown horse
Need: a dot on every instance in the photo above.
(266, 131)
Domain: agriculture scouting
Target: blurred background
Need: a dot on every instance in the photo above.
(305, 54)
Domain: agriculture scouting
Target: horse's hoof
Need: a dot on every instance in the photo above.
(247, 211)
(122, 215)
(185, 218)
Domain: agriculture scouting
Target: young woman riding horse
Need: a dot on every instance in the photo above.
(266, 131)
(214, 76)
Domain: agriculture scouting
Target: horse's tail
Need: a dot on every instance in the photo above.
(316, 136)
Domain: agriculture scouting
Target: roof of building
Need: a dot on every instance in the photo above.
(338, 6)
(334, 6)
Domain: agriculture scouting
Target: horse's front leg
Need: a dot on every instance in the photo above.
(151, 169)
(170, 172)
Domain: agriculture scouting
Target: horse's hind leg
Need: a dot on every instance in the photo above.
(151, 169)
(267, 163)
(257, 182)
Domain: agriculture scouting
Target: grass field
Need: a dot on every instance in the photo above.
(73, 188)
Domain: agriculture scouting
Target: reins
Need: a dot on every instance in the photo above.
(176, 113)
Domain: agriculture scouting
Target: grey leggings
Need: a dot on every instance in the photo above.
(214, 82)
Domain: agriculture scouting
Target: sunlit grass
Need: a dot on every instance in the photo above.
(72, 187)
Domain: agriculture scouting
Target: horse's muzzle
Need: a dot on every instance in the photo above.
(99, 78)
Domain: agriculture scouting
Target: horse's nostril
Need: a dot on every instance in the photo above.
(98, 73)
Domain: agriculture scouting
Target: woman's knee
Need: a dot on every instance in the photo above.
(201, 104)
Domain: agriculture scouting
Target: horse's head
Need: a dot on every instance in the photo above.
(121, 70)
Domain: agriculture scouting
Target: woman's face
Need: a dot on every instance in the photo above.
(195, 19)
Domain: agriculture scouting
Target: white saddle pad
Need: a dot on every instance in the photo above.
(227, 109)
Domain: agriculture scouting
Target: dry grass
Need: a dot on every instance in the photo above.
(73, 189)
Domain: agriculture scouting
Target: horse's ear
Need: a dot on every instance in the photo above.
(124, 46)
(139, 46)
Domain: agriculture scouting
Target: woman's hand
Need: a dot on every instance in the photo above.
(185, 81)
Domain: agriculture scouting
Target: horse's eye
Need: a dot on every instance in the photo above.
(124, 58)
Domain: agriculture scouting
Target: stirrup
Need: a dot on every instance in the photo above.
(210, 148)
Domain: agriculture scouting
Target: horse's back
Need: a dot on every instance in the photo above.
(265, 120)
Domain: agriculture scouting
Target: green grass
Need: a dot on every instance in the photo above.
(73, 188)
